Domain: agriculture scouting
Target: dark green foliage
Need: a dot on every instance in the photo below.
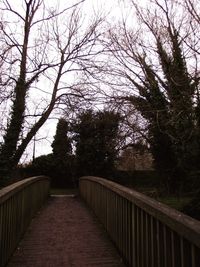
(58, 165)
(96, 136)
(43, 165)
(61, 177)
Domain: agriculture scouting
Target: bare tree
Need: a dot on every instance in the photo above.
(156, 68)
(192, 7)
(41, 60)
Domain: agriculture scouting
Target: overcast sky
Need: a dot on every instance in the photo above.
(112, 9)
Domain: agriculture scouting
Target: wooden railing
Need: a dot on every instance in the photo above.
(146, 232)
(18, 203)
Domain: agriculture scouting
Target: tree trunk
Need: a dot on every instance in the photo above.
(11, 137)
(15, 125)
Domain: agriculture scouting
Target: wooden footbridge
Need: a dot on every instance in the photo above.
(106, 225)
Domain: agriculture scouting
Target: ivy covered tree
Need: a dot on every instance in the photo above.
(170, 114)
(96, 136)
(158, 60)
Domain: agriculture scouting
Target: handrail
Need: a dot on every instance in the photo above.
(146, 232)
(18, 204)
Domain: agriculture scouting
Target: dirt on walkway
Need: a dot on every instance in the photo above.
(65, 233)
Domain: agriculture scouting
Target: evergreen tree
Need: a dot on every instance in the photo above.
(96, 136)
(62, 155)
(62, 144)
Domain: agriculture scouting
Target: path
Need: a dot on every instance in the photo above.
(63, 234)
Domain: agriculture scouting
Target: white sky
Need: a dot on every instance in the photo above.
(112, 8)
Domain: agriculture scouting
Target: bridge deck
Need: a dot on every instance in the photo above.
(65, 233)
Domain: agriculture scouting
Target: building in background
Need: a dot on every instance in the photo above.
(136, 157)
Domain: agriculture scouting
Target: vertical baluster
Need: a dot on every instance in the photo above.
(182, 252)
(12, 223)
(112, 226)
(6, 230)
(165, 246)
(129, 235)
(158, 243)
(133, 226)
(9, 227)
(111, 208)
(116, 219)
(142, 246)
(147, 220)
(2, 240)
(138, 238)
(3, 233)
(105, 207)
(14, 239)
(122, 232)
(119, 225)
(125, 229)
(172, 249)
(193, 256)
(152, 242)
(1, 236)
(101, 204)
(122, 226)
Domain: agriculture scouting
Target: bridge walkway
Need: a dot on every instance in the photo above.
(65, 233)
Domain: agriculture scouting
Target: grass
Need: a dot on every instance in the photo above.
(63, 191)
(172, 201)
(175, 202)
